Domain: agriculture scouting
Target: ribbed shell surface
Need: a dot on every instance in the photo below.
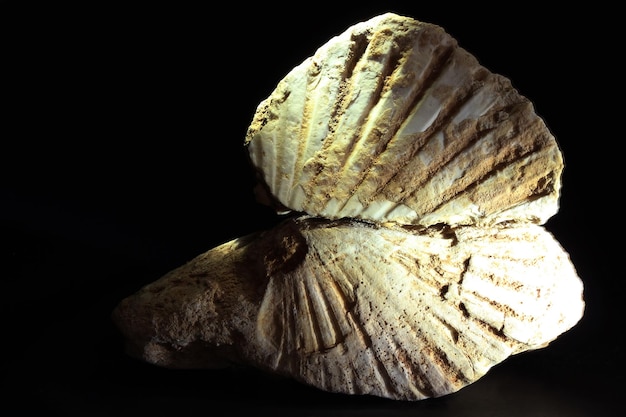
(393, 121)
(416, 259)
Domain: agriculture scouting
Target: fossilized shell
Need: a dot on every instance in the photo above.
(393, 121)
(421, 261)
(359, 308)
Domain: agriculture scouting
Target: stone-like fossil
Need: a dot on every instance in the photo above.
(392, 121)
(415, 258)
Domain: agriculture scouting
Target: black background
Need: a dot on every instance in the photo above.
(122, 126)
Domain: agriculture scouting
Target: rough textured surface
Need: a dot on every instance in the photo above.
(422, 261)
(393, 121)
(358, 308)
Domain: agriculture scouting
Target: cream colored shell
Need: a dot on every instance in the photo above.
(421, 262)
(360, 309)
(393, 121)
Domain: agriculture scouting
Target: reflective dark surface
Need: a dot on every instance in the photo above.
(122, 158)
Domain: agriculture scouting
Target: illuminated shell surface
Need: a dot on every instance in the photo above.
(420, 261)
(356, 308)
(392, 121)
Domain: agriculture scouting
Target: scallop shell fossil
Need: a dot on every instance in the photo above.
(392, 121)
(414, 260)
